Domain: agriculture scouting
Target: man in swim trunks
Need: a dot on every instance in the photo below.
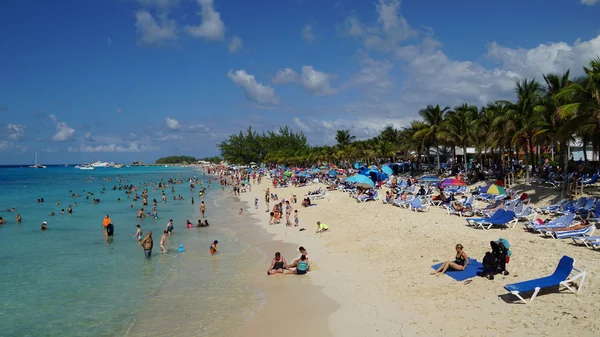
(147, 244)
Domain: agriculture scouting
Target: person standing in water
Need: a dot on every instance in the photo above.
(169, 229)
(163, 241)
(109, 228)
(213, 248)
(138, 233)
(202, 208)
(148, 244)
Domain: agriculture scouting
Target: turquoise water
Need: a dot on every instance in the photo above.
(72, 281)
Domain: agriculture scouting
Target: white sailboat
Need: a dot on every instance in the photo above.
(35, 163)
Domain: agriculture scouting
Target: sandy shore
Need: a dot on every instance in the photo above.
(372, 277)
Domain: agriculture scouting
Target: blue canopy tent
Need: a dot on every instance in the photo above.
(387, 170)
(332, 173)
(361, 179)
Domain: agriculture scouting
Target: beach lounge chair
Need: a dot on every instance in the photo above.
(562, 222)
(527, 214)
(505, 220)
(374, 197)
(560, 277)
(475, 221)
(417, 205)
(548, 209)
(404, 203)
(578, 230)
(588, 241)
(322, 195)
(589, 205)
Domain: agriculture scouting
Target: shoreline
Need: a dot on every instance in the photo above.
(375, 261)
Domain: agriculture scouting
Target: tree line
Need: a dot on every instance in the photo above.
(186, 160)
(546, 114)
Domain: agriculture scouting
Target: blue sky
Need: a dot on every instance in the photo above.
(126, 80)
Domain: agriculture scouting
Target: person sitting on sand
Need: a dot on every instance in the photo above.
(304, 253)
(278, 265)
(302, 267)
(460, 262)
(321, 227)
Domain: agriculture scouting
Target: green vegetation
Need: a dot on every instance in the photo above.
(176, 160)
(546, 114)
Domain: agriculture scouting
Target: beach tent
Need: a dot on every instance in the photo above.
(361, 180)
(332, 173)
(387, 170)
(357, 165)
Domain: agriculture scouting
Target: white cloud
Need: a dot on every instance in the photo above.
(15, 131)
(391, 28)
(88, 137)
(374, 76)
(199, 127)
(153, 33)
(133, 147)
(254, 91)
(63, 131)
(211, 27)
(545, 58)
(588, 2)
(109, 42)
(4, 145)
(235, 44)
(173, 124)
(317, 83)
(307, 33)
(119, 110)
(287, 75)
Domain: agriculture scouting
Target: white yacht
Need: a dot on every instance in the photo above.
(85, 167)
(35, 163)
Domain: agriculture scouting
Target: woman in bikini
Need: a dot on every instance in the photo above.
(288, 212)
(460, 262)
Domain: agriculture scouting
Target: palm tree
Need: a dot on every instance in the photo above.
(433, 117)
(344, 138)
(458, 127)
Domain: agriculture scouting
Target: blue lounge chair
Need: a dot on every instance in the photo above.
(504, 220)
(560, 278)
(417, 205)
(551, 208)
(564, 234)
(474, 221)
(562, 222)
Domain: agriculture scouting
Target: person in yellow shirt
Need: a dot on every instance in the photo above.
(321, 227)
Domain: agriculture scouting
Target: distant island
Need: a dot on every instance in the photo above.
(186, 160)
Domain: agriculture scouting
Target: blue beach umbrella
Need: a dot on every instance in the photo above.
(360, 179)
(357, 165)
(387, 170)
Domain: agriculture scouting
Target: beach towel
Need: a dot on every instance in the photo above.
(473, 268)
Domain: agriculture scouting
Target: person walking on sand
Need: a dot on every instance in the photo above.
(148, 244)
(321, 227)
(296, 220)
(460, 262)
(202, 208)
(138, 233)
(267, 196)
(278, 265)
(163, 241)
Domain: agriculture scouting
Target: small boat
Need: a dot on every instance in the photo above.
(35, 163)
(118, 165)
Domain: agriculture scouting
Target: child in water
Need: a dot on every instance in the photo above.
(138, 233)
(163, 241)
(213, 248)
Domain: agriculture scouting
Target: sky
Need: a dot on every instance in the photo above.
(125, 80)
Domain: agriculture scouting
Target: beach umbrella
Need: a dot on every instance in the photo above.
(387, 170)
(361, 180)
(332, 173)
(357, 165)
(429, 178)
(493, 189)
(452, 182)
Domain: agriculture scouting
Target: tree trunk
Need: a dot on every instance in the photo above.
(437, 148)
(465, 155)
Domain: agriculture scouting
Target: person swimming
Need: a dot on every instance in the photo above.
(44, 226)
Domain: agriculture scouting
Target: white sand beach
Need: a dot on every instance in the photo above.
(371, 276)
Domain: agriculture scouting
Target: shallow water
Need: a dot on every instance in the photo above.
(70, 280)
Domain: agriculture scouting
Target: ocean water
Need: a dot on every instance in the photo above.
(72, 281)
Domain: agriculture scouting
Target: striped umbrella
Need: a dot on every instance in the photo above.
(493, 189)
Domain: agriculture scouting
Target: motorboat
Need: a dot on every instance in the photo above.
(35, 163)
(118, 165)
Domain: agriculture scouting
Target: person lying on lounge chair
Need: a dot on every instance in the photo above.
(460, 262)
(460, 208)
